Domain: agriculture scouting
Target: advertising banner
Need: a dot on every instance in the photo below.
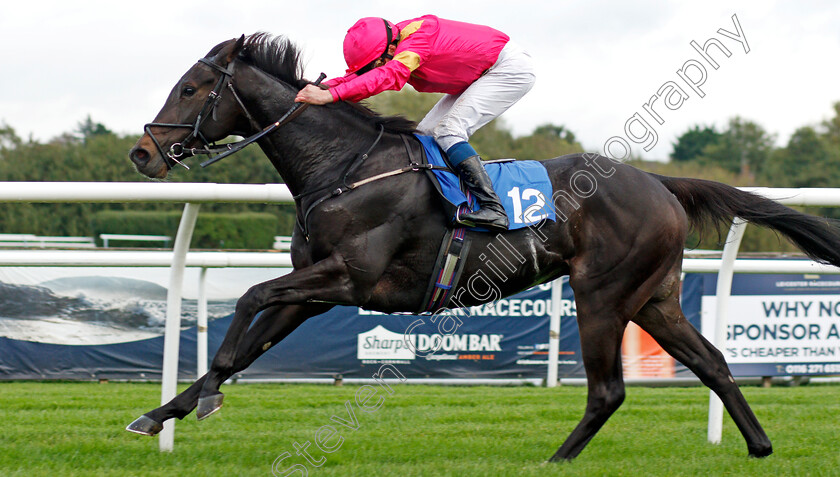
(504, 339)
(86, 323)
(778, 324)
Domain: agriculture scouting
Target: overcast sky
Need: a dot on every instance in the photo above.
(598, 62)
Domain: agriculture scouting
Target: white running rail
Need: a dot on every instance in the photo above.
(192, 195)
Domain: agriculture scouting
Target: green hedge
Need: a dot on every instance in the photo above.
(246, 230)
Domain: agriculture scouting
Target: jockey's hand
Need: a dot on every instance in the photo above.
(314, 95)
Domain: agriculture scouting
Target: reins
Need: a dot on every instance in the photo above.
(290, 115)
(178, 151)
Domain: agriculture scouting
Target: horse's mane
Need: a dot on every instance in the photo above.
(278, 57)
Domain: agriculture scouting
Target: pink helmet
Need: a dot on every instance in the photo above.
(366, 41)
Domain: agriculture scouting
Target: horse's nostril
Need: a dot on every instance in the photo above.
(139, 156)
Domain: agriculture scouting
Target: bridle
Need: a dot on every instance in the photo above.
(179, 151)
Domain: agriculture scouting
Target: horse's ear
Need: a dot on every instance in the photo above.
(236, 49)
(228, 53)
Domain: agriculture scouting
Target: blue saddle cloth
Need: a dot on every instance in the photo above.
(522, 186)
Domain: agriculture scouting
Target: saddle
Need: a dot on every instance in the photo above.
(523, 187)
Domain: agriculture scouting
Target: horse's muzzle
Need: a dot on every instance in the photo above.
(139, 156)
(143, 160)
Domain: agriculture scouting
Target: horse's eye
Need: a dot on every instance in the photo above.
(188, 91)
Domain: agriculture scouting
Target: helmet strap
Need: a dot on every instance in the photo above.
(389, 38)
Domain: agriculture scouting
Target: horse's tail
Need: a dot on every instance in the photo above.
(707, 201)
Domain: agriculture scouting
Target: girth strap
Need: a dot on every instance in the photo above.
(447, 272)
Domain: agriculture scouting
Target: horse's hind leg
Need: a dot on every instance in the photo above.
(601, 331)
(663, 319)
(273, 325)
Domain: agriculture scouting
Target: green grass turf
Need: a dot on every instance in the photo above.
(67, 429)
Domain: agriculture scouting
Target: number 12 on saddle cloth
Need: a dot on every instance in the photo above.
(522, 186)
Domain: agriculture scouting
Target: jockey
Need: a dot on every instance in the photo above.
(481, 72)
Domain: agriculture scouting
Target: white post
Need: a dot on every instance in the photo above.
(554, 333)
(723, 292)
(201, 325)
(172, 336)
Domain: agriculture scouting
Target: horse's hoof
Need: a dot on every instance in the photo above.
(556, 459)
(144, 425)
(761, 451)
(207, 406)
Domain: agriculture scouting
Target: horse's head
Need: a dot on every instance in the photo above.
(195, 114)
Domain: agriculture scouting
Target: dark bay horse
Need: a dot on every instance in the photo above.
(619, 235)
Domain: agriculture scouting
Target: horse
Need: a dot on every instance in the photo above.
(619, 235)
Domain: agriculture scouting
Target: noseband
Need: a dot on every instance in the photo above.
(179, 151)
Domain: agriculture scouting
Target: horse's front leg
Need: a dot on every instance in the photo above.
(272, 327)
(325, 281)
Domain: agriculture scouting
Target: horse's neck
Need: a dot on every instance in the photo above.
(310, 151)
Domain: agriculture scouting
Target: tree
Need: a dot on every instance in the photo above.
(832, 127)
(690, 144)
(556, 131)
(9, 140)
(103, 156)
(546, 142)
(806, 161)
(87, 129)
(406, 102)
(743, 148)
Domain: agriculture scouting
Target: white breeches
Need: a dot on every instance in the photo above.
(457, 116)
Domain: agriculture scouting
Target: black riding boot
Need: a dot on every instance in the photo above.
(491, 215)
